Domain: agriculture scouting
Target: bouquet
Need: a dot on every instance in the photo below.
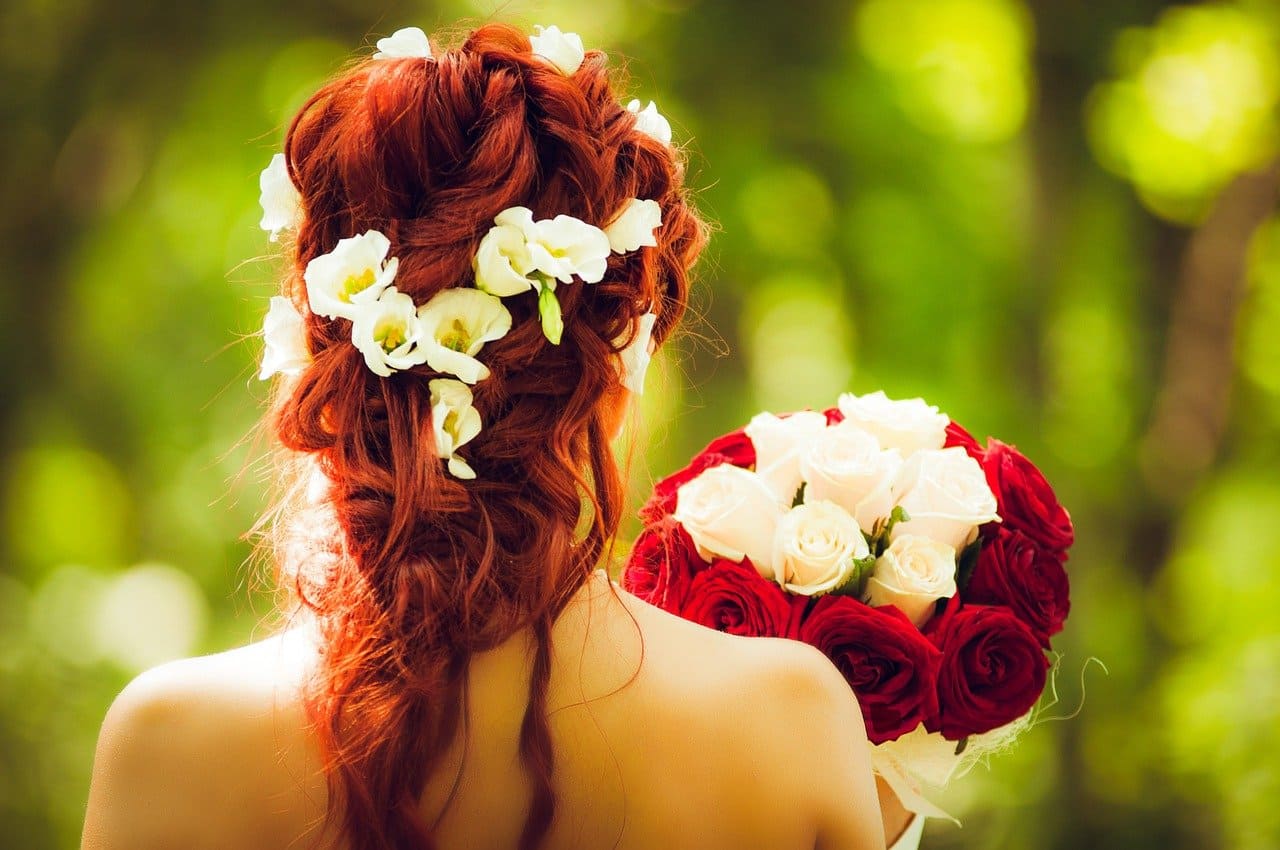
(927, 567)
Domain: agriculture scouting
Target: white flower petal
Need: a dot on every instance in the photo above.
(567, 246)
(353, 272)
(634, 226)
(387, 332)
(456, 323)
(650, 121)
(502, 262)
(633, 360)
(286, 340)
(407, 43)
(454, 421)
(281, 203)
(562, 49)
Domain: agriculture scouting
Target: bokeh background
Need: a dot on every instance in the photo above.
(1053, 219)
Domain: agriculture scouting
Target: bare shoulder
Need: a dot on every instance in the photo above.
(191, 750)
(779, 708)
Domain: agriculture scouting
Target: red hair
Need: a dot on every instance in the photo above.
(407, 570)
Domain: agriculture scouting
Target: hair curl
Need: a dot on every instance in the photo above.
(408, 571)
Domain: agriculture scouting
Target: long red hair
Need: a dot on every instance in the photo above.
(407, 570)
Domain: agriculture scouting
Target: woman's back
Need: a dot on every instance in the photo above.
(666, 735)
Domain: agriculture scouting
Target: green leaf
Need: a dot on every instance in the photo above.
(961, 744)
(857, 580)
(879, 539)
(549, 311)
(799, 499)
(966, 562)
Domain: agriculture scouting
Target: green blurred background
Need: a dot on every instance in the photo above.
(1053, 219)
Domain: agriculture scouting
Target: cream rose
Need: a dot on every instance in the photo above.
(816, 548)
(780, 443)
(845, 464)
(911, 575)
(650, 121)
(730, 513)
(946, 497)
(909, 425)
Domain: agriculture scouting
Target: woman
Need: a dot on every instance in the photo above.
(456, 671)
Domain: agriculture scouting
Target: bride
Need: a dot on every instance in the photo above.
(486, 248)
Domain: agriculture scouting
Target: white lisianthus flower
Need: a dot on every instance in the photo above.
(562, 49)
(354, 272)
(634, 226)
(503, 261)
(455, 325)
(911, 575)
(730, 513)
(633, 359)
(407, 43)
(909, 425)
(780, 443)
(650, 121)
(455, 422)
(816, 548)
(565, 246)
(845, 464)
(946, 497)
(388, 333)
(286, 340)
(279, 198)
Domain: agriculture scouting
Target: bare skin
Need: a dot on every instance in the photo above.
(666, 734)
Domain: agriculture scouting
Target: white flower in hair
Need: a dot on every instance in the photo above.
(455, 422)
(407, 43)
(562, 49)
(633, 359)
(634, 226)
(456, 323)
(354, 272)
(565, 246)
(281, 203)
(503, 261)
(286, 342)
(650, 121)
(388, 333)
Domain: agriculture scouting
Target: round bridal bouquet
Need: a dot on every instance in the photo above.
(929, 568)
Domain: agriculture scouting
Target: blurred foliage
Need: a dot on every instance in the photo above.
(1002, 206)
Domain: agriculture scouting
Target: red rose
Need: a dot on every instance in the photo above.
(735, 448)
(992, 671)
(958, 436)
(662, 563)
(732, 597)
(1013, 571)
(834, 416)
(888, 663)
(1026, 500)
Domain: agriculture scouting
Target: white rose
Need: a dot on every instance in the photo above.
(780, 443)
(388, 333)
(650, 121)
(816, 548)
(946, 496)
(634, 226)
(286, 340)
(730, 513)
(279, 198)
(845, 464)
(634, 357)
(454, 421)
(407, 43)
(455, 324)
(911, 575)
(909, 425)
(352, 273)
(562, 49)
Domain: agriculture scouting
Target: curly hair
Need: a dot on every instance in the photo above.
(407, 571)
